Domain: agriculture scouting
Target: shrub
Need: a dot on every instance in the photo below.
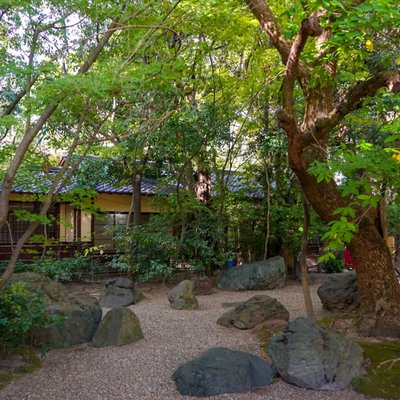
(67, 269)
(20, 313)
(334, 265)
(64, 269)
(21, 266)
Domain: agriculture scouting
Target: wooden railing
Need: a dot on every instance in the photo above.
(34, 251)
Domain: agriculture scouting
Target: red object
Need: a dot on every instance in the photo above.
(348, 259)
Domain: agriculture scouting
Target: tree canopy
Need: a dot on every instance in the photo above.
(188, 92)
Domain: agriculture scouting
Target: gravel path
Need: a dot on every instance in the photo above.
(142, 370)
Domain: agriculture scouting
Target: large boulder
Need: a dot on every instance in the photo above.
(340, 292)
(310, 357)
(119, 292)
(222, 370)
(268, 274)
(81, 313)
(181, 297)
(120, 326)
(256, 310)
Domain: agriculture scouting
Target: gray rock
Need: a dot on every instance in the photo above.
(268, 274)
(81, 312)
(340, 292)
(119, 327)
(181, 297)
(120, 281)
(115, 296)
(310, 357)
(258, 309)
(222, 370)
(231, 304)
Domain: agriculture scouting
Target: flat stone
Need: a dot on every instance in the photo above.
(114, 296)
(258, 309)
(120, 281)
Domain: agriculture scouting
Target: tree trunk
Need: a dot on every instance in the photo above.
(203, 186)
(378, 287)
(137, 197)
(308, 142)
(303, 259)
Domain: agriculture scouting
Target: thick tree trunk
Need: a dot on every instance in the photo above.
(203, 186)
(378, 287)
(307, 142)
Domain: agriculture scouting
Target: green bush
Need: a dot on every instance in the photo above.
(146, 251)
(21, 266)
(20, 313)
(67, 269)
(334, 265)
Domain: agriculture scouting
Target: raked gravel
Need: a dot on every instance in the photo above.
(142, 370)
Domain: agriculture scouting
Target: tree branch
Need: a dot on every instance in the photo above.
(31, 133)
(270, 26)
(309, 27)
(361, 90)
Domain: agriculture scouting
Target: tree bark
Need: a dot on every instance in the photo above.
(137, 197)
(303, 258)
(378, 287)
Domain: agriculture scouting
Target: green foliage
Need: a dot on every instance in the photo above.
(68, 269)
(20, 313)
(334, 264)
(65, 269)
(19, 267)
(146, 250)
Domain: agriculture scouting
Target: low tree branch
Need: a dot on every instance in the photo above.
(361, 90)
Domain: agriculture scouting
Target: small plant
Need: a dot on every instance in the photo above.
(67, 269)
(19, 267)
(333, 265)
(20, 313)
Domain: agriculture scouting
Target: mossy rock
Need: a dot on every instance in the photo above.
(382, 378)
(119, 327)
(264, 333)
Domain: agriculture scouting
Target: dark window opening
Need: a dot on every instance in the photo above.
(15, 227)
(104, 225)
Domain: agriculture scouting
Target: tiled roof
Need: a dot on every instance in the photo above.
(238, 184)
(234, 183)
(149, 187)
